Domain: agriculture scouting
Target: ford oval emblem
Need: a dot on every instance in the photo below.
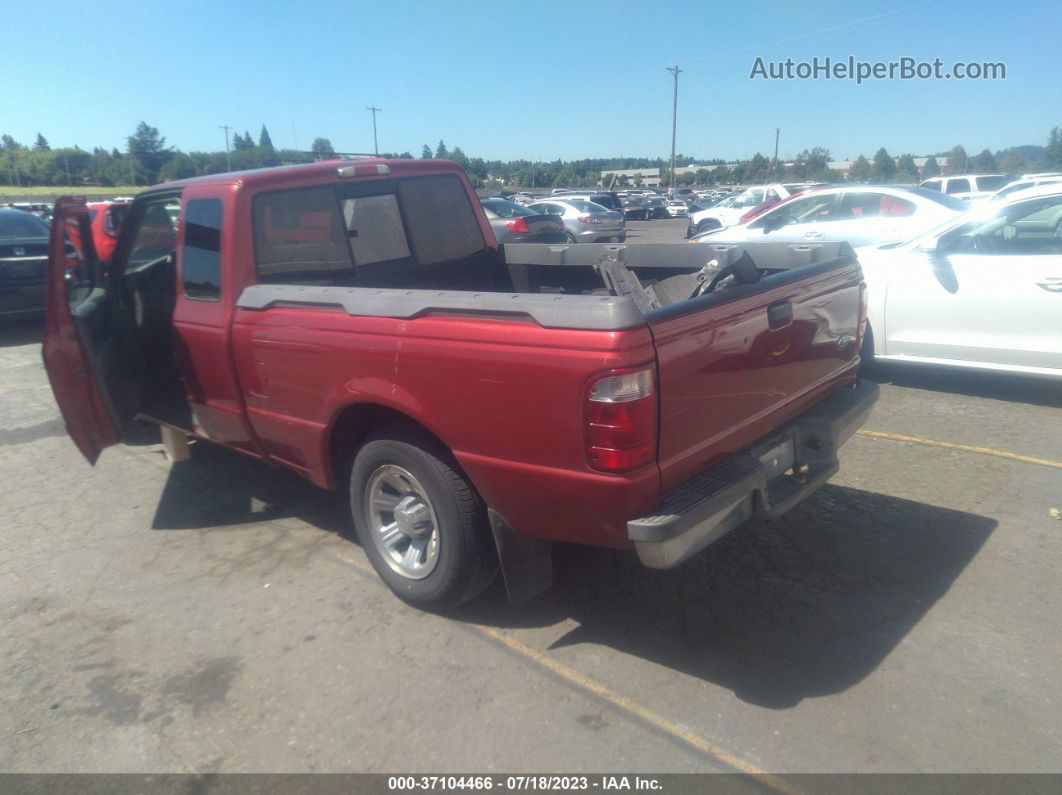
(845, 340)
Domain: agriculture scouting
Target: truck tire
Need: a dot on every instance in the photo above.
(705, 225)
(420, 522)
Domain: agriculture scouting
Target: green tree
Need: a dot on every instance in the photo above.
(884, 167)
(860, 170)
(149, 153)
(983, 163)
(957, 160)
(638, 180)
(1012, 162)
(720, 175)
(1053, 152)
(243, 142)
(459, 157)
(322, 147)
(906, 170)
(264, 140)
(41, 144)
(8, 143)
(758, 168)
(441, 152)
(425, 153)
(180, 166)
(931, 168)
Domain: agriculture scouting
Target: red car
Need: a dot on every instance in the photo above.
(106, 219)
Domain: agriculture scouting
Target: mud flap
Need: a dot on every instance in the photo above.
(526, 562)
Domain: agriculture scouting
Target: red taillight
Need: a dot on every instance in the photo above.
(589, 219)
(519, 226)
(621, 421)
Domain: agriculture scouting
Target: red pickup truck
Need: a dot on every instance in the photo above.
(356, 322)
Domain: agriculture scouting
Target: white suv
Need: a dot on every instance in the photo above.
(968, 186)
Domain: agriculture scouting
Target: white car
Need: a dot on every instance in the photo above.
(1026, 182)
(968, 186)
(983, 291)
(860, 215)
(729, 211)
(677, 209)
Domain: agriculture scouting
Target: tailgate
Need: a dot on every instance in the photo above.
(737, 363)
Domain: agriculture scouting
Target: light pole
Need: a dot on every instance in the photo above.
(777, 131)
(228, 162)
(674, 121)
(375, 110)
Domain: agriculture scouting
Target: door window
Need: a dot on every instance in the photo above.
(299, 237)
(868, 204)
(155, 237)
(201, 256)
(808, 210)
(958, 186)
(1029, 228)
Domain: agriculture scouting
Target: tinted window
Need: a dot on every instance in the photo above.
(299, 236)
(442, 224)
(958, 186)
(807, 210)
(505, 209)
(17, 223)
(1024, 228)
(933, 184)
(872, 205)
(156, 236)
(991, 183)
(201, 256)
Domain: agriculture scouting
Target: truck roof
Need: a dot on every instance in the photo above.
(282, 175)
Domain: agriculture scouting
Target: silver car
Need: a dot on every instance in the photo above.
(585, 222)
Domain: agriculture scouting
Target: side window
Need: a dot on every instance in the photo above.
(932, 184)
(375, 228)
(895, 207)
(1028, 228)
(958, 186)
(808, 210)
(299, 237)
(201, 255)
(155, 238)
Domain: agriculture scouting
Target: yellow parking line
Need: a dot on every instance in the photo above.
(631, 707)
(899, 437)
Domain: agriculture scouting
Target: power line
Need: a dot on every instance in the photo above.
(375, 110)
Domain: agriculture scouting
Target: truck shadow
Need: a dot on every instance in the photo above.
(1010, 387)
(776, 611)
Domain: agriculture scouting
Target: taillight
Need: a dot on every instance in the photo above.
(519, 226)
(589, 219)
(621, 421)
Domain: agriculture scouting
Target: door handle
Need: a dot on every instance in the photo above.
(813, 235)
(779, 315)
(1053, 284)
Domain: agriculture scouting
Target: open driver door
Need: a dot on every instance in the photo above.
(90, 342)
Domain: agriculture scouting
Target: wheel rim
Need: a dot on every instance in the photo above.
(571, 238)
(402, 522)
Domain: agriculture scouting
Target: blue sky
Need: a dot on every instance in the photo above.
(544, 79)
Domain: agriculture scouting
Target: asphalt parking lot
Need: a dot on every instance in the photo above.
(217, 615)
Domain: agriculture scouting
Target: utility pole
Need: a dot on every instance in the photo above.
(777, 130)
(228, 162)
(674, 121)
(375, 110)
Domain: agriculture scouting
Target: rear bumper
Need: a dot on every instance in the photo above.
(752, 482)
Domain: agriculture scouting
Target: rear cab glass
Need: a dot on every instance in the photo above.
(338, 234)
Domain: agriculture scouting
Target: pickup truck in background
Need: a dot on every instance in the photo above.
(356, 322)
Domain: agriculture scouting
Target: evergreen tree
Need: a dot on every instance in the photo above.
(41, 144)
(1053, 152)
(931, 168)
(884, 167)
(906, 170)
(1012, 162)
(440, 151)
(264, 140)
(983, 163)
(860, 171)
(957, 160)
(425, 153)
(149, 152)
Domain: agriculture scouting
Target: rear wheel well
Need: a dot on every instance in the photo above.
(354, 424)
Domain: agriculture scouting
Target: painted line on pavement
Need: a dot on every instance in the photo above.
(899, 437)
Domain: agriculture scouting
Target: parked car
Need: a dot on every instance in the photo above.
(982, 291)
(859, 215)
(657, 207)
(635, 209)
(513, 223)
(607, 199)
(585, 221)
(677, 209)
(23, 257)
(729, 210)
(357, 323)
(107, 219)
(40, 209)
(968, 186)
(1024, 183)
